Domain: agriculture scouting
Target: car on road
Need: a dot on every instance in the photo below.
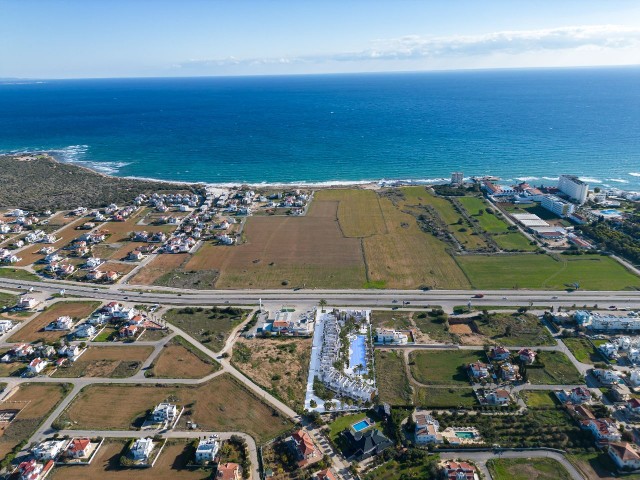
(554, 298)
(613, 307)
(478, 295)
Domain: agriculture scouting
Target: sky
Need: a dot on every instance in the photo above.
(155, 38)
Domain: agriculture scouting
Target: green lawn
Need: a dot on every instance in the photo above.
(443, 367)
(526, 469)
(538, 398)
(476, 207)
(7, 300)
(514, 241)
(344, 422)
(557, 370)
(18, 274)
(592, 272)
(582, 350)
(391, 378)
(444, 397)
(424, 467)
(513, 329)
(433, 326)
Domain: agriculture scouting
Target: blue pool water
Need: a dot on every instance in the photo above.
(610, 212)
(361, 425)
(465, 435)
(358, 352)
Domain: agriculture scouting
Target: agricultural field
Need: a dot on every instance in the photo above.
(359, 213)
(35, 401)
(391, 378)
(527, 469)
(221, 404)
(477, 208)
(34, 329)
(287, 251)
(513, 329)
(558, 370)
(443, 367)
(592, 272)
(514, 241)
(111, 362)
(210, 326)
(172, 464)
(262, 360)
(180, 359)
(444, 397)
(583, 350)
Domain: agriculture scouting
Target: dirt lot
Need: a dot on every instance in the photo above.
(35, 401)
(262, 360)
(34, 330)
(460, 329)
(178, 361)
(298, 251)
(115, 362)
(158, 267)
(106, 465)
(121, 268)
(221, 404)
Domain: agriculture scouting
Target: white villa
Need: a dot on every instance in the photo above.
(384, 335)
(607, 321)
(5, 326)
(61, 323)
(426, 429)
(164, 412)
(49, 449)
(207, 450)
(141, 449)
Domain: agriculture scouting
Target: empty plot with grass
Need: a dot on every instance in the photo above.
(592, 272)
(538, 398)
(113, 362)
(443, 367)
(180, 359)
(391, 378)
(514, 329)
(527, 469)
(444, 397)
(557, 370)
(359, 212)
(514, 241)
(34, 330)
(479, 209)
(583, 350)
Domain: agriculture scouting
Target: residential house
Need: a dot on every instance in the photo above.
(624, 455)
(579, 395)
(32, 470)
(509, 372)
(23, 350)
(128, 331)
(66, 269)
(164, 412)
(47, 351)
(603, 429)
(37, 365)
(606, 377)
(498, 354)
(497, 397)
(367, 444)
(207, 450)
(85, 330)
(326, 474)
(527, 356)
(93, 262)
(633, 408)
(304, 448)
(141, 449)
(384, 335)
(426, 429)
(228, 471)
(95, 275)
(459, 471)
(111, 276)
(135, 255)
(48, 450)
(63, 322)
(78, 447)
(634, 377)
(478, 370)
(5, 326)
(27, 303)
(70, 351)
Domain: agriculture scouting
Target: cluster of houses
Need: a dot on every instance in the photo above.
(38, 358)
(353, 384)
(185, 202)
(608, 322)
(242, 201)
(627, 346)
(7, 256)
(501, 366)
(40, 236)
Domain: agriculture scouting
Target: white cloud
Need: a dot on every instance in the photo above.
(623, 40)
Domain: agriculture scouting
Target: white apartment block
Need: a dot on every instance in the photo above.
(573, 187)
(557, 206)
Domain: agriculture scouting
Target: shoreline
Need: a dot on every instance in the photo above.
(364, 183)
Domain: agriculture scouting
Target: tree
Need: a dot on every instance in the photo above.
(322, 304)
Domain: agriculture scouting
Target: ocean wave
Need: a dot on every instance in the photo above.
(554, 179)
(634, 174)
(590, 180)
(617, 180)
(527, 179)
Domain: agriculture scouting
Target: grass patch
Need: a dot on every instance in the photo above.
(344, 422)
(180, 359)
(592, 272)
(391, 378)
(527, 468)
(391, 319)
(443, 367)
(557, 370)
(210, 326)
(538, 398)
(8, 299)
(418, 464)
(477, 208)
(434, 326)
(582, 350)
(112, 362)
(514, 329)
(444, 397)
(359, 212)
(514, 241)
(17, 274)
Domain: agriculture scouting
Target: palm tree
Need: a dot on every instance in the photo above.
(322, 303)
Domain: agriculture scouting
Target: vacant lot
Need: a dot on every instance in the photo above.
(359, 212)
(538, 398)
(210, 326)
(558, 370)
(434, 326)
(159, 266)
(18, 274)
(514, 241)
(121, 268)
(35, 329)
(443, 367)
(444, 397)
(527, 469)
(391, 319)
(583, 350)
(592, 272)
(221, 404)
(262, 360)
(180, 359)
(113, 362)
(391, 378)
(35, 402)
(288, 251)
(513, 329)
(477, 208)
(172, 464)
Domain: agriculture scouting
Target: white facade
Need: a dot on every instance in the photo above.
(142, 448)
(165, 412)
(573, 187)
(557, 206)
(207, 450)
(48, 450)
(391, 336)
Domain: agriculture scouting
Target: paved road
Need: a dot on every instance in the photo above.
(481, 458)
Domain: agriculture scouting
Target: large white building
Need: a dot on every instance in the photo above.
(558, 206)
(573, 187)
(384, 335)
(604, 321)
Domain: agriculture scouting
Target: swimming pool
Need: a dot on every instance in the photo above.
(361, 425)
(358, 352)
(610, 212)
(465, 435)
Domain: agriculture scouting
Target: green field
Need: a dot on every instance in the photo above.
(476, 207)
(582, 350)
(359, 212)
(18, 274)
(592, 272)
(423, 467)
(444, 397)
(433, 326)
(514, 241)
(538, 398)
(558, 370)
(7, 299)
(514, 329)
(443, 367)
(526, 469)
(210, 326)
(390, 319)
(391, 378)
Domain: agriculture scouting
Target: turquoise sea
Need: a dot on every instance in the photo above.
(516, 124)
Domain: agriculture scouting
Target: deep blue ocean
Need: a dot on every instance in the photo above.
(516, 124)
